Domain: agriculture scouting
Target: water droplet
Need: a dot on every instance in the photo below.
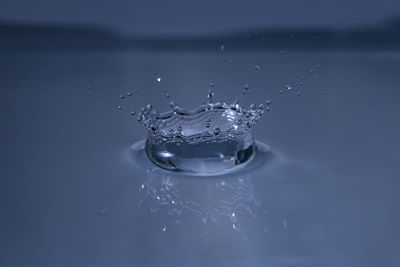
(246, 86)
(256, 67)
(284, 223)
(222, 48)
(298, 93)
(148, 107)
(280, 91)
(122, 96)
(154, 73)
(212, 84)
(164, 229)
(158, 79)
(288, 87)
(210, 95)
(119, 107)
(217, 131)
(129, 93)
(133, 113)
(283, 52)
(166, 93)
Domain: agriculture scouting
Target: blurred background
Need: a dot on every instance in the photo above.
(72, 192)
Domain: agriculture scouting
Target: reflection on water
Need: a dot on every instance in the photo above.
(210, 199)
(229, 198)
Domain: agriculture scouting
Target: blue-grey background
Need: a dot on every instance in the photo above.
(72, 192)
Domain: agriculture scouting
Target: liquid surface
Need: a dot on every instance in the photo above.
(70, 190)
(209, 140)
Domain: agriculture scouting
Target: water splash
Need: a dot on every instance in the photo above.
(213, 138)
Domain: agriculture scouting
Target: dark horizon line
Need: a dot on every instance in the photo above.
(66, 37)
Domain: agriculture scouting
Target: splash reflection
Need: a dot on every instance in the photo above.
(224, 199)
(211, 199)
